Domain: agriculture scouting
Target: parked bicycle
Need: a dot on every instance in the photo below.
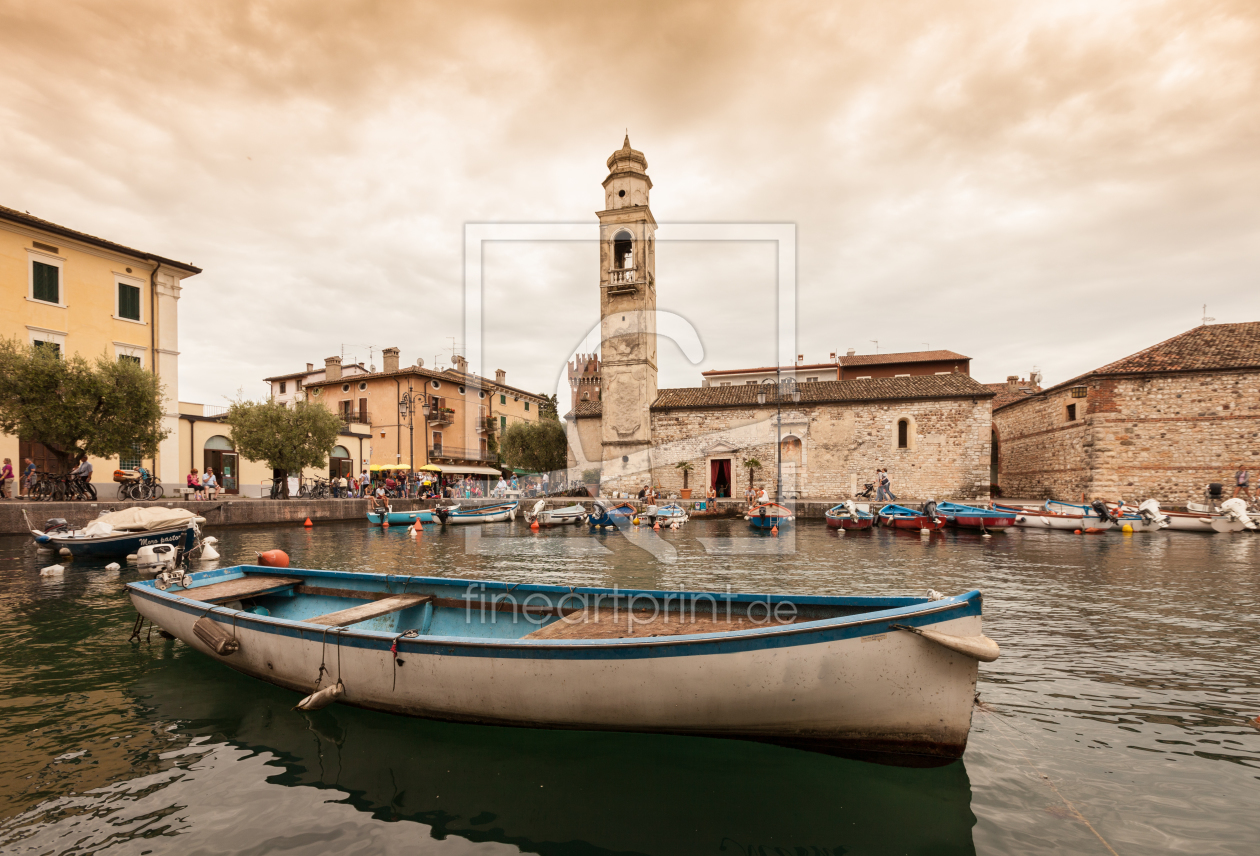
(317, 489)
(138, 484)
(59, 487)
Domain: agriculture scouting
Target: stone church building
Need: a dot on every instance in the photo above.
(1161, 423)
(826, 438)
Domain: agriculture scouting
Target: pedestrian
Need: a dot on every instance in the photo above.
(210, 484)
(6, 477)
(1242, 480)
(83, 471)
(885, 485)
(29, 476)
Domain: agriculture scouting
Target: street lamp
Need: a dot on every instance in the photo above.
(407, 406)
(784, 388)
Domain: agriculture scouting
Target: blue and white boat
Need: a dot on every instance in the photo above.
(400, 518)
(546, 518)
(665, 515)
(769, 515)
(878, 677)
(498, 513)
(115, 534)
(900, 517)
(602, 518)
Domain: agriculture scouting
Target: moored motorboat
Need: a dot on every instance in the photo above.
(548, 517)
(400, 518)
(847, 515)
(769, 515)
(1231, 516)
(881, 677)
(666, 515)
(900, 517)
(973, 517)
(498, 513)
(601, 518)
(1043, 518)
(122, 533)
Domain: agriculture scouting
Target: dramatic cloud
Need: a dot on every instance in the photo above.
(1049, 184)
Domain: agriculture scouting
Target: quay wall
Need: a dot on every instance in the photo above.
(1164, 435)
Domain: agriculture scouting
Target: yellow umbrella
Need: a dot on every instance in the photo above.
(429, 468)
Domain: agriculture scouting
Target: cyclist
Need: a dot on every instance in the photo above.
(83, 472)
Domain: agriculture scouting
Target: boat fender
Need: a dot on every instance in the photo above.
(131, 557)
(978, 647)
(210, 539)
(64, 551)
(215, 637)
(925, 531)
(113, 566)
(208, 553)
(933, 594)
(51, 571)
(274, 559)
(322, 698)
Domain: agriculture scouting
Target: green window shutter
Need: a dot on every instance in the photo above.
(502, 423)
(128, 302)
(47, 284)
(503, 399)
(527, 405)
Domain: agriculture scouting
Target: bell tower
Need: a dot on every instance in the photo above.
(627, 303)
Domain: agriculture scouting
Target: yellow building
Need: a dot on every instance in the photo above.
(86, 295)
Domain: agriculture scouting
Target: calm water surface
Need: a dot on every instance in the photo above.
(1115, 721)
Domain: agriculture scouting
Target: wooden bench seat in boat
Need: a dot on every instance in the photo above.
(370, 610)
(239, 589)
(601, 624)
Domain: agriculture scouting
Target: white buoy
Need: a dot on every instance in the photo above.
(210, 539)
(925, 531)
(986, 535)
(113, 566)
(208, 553)
(839, 531)
(51, 571)
(64, 551)
(131, 557)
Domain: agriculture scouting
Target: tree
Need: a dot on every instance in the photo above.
(535, 446)
(550, 408)
(752, 464)
(686, 467)
(103, 409)
(285, 439)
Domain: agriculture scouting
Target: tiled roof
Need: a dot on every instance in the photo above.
(586, 409)
(44, 225)
(907, 357)
(798, 368)
(874, 389)
(450, 376)
(1211, 346)
(1005, 395)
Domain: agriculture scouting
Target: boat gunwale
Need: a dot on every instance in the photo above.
(970, 603)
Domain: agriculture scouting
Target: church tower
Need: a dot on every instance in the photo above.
(627, 303)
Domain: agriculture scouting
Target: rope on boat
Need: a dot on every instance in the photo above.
(394, 658)
(135, 628)
(1071, 806)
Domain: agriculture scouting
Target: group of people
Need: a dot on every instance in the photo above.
(30, 474)
(204, 485)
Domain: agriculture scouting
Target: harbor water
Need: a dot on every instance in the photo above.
(1118, 719)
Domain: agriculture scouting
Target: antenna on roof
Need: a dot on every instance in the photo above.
(876, 341)
(927, 345)
(1206, 319)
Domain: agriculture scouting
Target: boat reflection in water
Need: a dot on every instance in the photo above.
(566, 792)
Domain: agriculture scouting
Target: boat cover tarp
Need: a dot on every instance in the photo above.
(146, 518)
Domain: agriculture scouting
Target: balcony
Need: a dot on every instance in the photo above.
(441, 417)
(456, 453)
(357, 421)
(626, 280)
(487, 424)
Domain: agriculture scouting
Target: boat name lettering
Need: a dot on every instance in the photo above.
(879, 637)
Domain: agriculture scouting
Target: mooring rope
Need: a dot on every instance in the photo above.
(1071, 806)
(393, 654)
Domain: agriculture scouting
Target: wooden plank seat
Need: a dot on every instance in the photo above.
(369, 610)
(251, 585)
(605, 624)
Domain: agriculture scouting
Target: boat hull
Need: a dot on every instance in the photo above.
(495, 514)
(986, 522)
(400, 518)
(121, 544)
(850, 686)
(920, 522)
(847, 522)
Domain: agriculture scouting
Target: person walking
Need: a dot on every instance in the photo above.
(1242, 480)
(29, 474)
(885, 484)
(6, 480)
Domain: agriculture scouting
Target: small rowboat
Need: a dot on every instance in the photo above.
(548, 517)
(121, 533)
(847, 515)
(498, 513)
(769, 515)
(900, 517)
(971, 517)
(601, 518)
(885, 678)
(666, 514)
(1232, 517)
(1044, 518)
(399, 518)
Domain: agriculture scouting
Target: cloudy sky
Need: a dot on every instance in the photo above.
(1049, 184)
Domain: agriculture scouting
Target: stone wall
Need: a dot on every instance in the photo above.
(1160, 435)
(841, 446)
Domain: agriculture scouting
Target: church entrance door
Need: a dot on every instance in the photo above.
(720, 476)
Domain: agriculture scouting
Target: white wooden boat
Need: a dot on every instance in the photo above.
(498, 513)
(878, 677)
(1231, 517)
(1045, 518)
(671, 513)
(570, 515)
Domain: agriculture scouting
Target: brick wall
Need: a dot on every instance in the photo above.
(1163, 436)
(840, 445)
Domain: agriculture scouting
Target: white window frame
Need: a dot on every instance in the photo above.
(863, 377)
(43, 334)
(901, 375)
(32, 256)
(126, 349)
(134, 282)
(944, 373)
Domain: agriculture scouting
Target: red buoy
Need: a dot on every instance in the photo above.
(1076, 532)
(308, 522)
(274, 559)
(534, 526)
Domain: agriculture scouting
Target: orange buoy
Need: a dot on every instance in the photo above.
(274, 559)
(1076, 532)
(657, 526)
(534, 526)
(417, 527)
(774, 530)
(308, 522)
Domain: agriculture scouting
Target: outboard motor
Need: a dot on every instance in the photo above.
(1214, 493)
(56, 524)
(1236, 510)
(763, 512)
(600, 509)
(1150, 513)
(1100, 508)
(153, 558)
(929, 508)
(441, 513)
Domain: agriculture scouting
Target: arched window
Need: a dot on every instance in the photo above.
(218, 441)
(903, 433)
(623, 251)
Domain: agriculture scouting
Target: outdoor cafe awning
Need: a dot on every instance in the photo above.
(378, 467)
(460, 469)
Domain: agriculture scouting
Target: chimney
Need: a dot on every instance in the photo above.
(310, 367)
(1012, 383)
(833, 356)
(850, 352)
(461, 363)
(332, 368)
(391, 359)
(500, 376)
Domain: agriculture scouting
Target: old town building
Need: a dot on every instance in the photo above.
(1161, 423)
(76, 293)
(920, 415)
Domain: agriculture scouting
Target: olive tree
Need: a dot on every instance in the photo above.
(104, 408)
(288, 439)
(535, 446)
